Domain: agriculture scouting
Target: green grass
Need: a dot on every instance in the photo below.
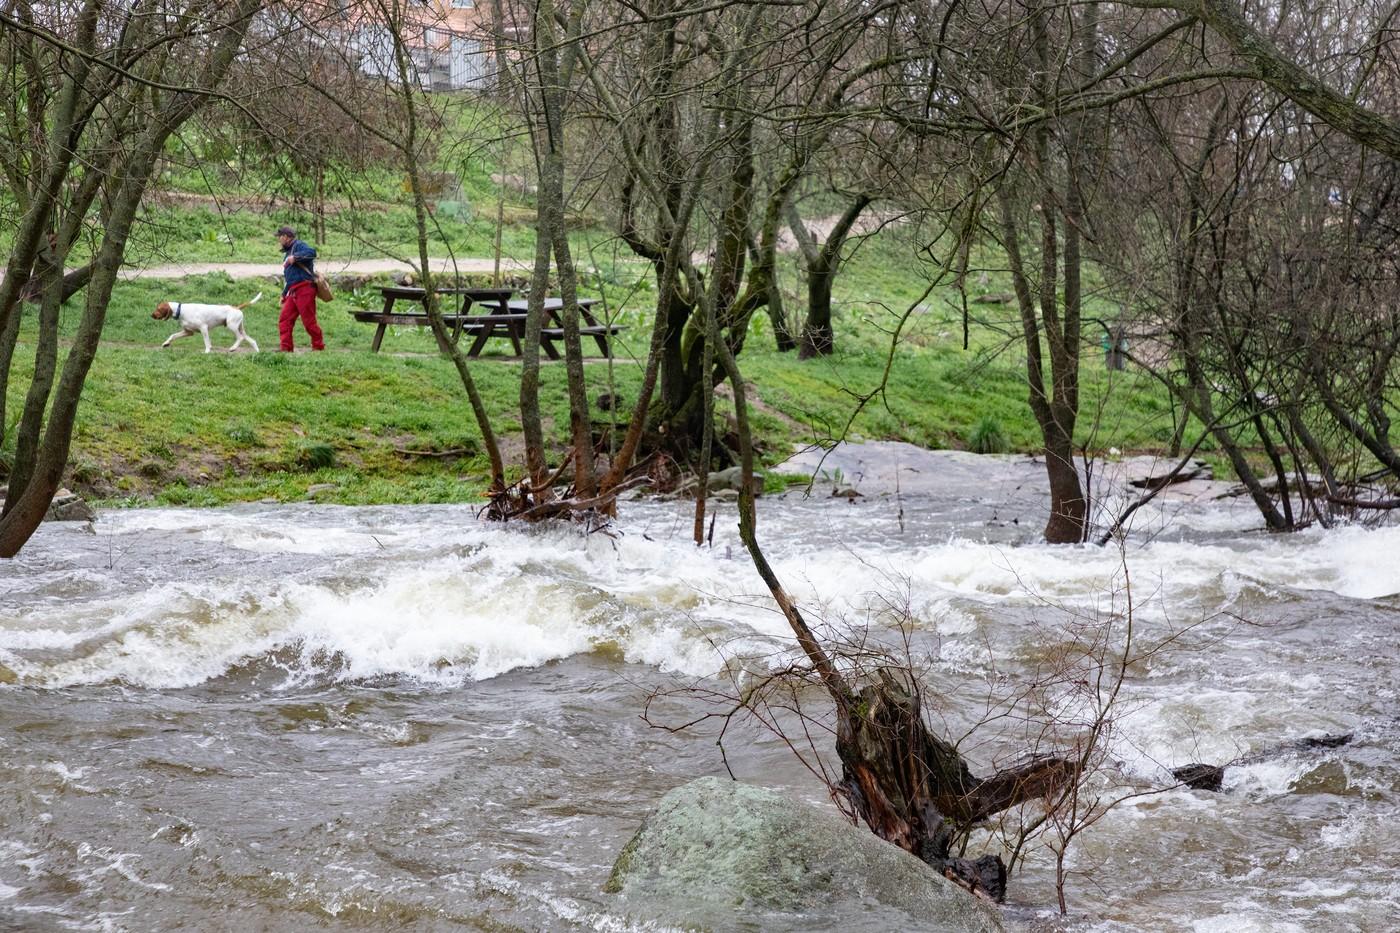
(179, 427)
(175, 426)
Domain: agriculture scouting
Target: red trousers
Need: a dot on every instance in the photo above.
(300, 302)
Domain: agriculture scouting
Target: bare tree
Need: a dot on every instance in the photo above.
(127, 77)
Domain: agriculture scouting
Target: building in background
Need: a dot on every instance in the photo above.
(449, 42)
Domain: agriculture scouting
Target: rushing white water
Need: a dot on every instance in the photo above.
(361, 635)
(447, 599)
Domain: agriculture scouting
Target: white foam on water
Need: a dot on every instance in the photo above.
(1266, 779)
(525, 600)
(1312, 888)
(247, 531)
(1242, 922)
(420, 607)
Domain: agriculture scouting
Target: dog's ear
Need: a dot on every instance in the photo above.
(162, 311)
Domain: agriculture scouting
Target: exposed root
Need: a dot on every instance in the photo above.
(531, 503)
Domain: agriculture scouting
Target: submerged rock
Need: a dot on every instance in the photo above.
(718, 854)
(69, 507)
(1198, 776)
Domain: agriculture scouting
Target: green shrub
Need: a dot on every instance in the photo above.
(314, 455)
(987, 437)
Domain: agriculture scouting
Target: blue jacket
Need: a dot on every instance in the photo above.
(299, 265)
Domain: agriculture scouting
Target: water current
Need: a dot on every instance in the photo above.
(402, 718)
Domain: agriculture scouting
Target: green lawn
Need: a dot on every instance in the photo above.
(175, 426)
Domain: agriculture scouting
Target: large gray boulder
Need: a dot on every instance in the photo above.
(722, 855)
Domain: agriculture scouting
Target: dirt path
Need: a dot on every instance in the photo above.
(820, 228)
(330, 267)
(475, 265)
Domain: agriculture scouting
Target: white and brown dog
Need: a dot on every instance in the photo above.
(196, 318)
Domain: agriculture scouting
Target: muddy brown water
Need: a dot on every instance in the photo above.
(310, 717)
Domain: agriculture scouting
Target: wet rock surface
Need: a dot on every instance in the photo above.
(717, 853)
(67, 506)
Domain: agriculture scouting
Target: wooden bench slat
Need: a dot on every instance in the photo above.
(608, 329)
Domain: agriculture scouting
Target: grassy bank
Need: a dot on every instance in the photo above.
(178, 427)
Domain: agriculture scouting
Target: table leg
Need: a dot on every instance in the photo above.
(461, 313)
(486, 330)
(515, 332)
(378, 337)
(443, 346)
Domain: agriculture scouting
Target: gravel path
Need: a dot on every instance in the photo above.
(330, 267)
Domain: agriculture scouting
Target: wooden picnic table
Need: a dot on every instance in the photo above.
(591, 328)
(506, 318)
(493, 298)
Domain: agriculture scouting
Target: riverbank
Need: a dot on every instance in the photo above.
(178, 427)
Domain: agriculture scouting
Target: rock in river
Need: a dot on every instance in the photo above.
(67, 506)
(719, 855)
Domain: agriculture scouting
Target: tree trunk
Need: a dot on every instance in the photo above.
(23, 514)
(73, 282)
(420, 211)
(31, 423)
(1053, 413)
(1068, 507)
(818, 338)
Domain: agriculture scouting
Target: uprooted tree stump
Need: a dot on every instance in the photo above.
(912, 788)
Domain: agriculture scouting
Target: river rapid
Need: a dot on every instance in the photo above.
(402, 718)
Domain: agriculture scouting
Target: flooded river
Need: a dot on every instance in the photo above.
(401, 718)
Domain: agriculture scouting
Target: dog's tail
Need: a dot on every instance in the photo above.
(247, 303)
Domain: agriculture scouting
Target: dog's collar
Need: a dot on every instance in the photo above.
(177, 311)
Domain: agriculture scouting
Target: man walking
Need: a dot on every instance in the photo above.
(299, 290)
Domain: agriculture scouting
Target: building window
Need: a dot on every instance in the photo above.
(462, 4)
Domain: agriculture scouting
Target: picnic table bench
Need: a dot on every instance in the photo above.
(505, 318)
